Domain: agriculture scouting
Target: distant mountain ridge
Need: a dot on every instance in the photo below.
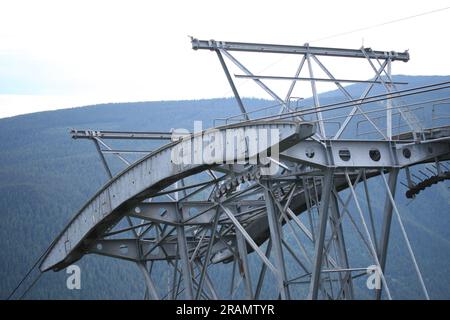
(45, 177)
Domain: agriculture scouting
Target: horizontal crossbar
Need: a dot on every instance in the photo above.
(289, 49)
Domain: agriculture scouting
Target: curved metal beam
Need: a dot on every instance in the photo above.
(145, 178)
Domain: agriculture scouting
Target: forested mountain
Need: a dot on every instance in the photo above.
(45, 177)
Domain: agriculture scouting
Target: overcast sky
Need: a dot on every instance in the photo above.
(57, 54)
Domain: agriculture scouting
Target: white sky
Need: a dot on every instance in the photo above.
(56, 54)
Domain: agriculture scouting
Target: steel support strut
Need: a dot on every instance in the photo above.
(232, 85)
(244, 268)
(405, 236)
(276, 238)
(346, 278)
(316, 98)
(184, 257)
(386, 226)
(327, 186)
(150, 287)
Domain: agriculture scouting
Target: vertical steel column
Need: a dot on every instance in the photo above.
(184, 257)
(327, 186)
(386, 227)
(275, 236)
(369, 207)
(306, 192)
(175, 279)
(389, 104)
(204, 272)
(346, 279)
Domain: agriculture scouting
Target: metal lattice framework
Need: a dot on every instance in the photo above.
(288, 231)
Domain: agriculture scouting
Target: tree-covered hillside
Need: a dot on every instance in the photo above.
(45, 177)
